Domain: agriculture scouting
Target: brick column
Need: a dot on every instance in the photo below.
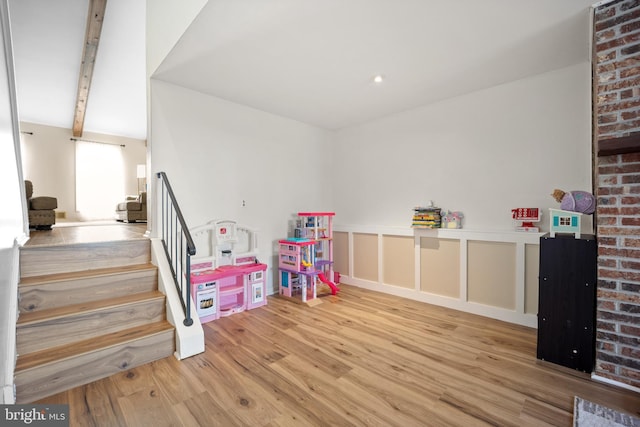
(617, 129)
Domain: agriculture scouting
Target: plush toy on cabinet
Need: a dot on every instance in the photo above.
(573, 205)
(575, 201)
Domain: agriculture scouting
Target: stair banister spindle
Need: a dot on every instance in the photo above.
(179, 252)
(183, 256)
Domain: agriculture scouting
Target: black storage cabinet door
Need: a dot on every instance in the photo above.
(567, 301)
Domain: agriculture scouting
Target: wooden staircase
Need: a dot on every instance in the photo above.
(87, 311)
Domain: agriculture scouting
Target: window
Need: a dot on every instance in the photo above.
(99, 179)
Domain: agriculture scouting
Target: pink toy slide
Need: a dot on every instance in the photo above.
(323, 279)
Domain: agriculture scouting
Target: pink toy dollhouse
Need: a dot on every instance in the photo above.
(307, 259)
(297, 268)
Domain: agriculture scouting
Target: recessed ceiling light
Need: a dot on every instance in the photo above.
(378, 79)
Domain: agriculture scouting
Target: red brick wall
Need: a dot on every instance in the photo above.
(617, 114)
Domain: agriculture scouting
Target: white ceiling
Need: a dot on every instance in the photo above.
(48, 38)
(309, 60)
(314, 61)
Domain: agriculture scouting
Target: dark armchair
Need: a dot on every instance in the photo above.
(40, 209)
(133, 209)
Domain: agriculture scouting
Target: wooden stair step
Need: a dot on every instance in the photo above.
(63, 352)
(47, 372)
(78, 309)
(59, 289)
(84, 274)
(43, 260)
(87, 311)
(53, 327)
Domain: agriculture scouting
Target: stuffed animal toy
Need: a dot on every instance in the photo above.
(452, 220)
(575, 201)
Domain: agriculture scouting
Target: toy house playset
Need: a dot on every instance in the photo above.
(305, 261)
(573, 204)
(227, 278)
(561, 221)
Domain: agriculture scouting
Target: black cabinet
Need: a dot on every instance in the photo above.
(567, 301)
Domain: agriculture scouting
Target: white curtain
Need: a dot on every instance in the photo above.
(99, 180)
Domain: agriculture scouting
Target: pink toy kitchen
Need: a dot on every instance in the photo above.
(227, 278)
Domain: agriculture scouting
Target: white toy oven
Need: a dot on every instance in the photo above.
(206, 300)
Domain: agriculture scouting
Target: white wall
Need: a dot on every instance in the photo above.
(11, 214)
(482, 153)
(13, 226)
(48, 160)
(217, 154)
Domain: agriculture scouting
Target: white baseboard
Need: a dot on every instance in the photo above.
(8, 395)
(605, 380)
(505, 315)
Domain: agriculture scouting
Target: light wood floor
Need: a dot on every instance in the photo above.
(359, 358)
(86, 232)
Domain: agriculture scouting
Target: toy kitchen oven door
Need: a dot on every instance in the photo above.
(206, 299)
